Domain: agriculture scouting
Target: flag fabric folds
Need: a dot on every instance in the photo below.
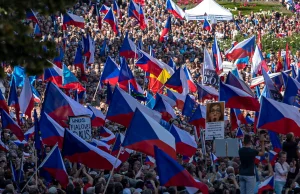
(8, 123)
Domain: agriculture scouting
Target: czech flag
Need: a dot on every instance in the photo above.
(165, 109)
(241, 63)
(30, 15)
(149, 161)
(104, 132)
(238, 83)
(128, 49)
(133, 10)
(3, 104)
(59, 106)
(278, 117)
(104, 9)
(192, 86)
(26, 98)
(242, 49)
(206, 25)
(239, 133)
(51, 132)
(185, 143)
(101, 145)
(153, 134)
(199, 117)
(110, 139)
(124, 115)
(207, 93)
(59, 59)
(37, 30)
(167, 99)
(178, 81)
(75, 20)
(110, 72)
(78, 61)
(3, 147)
(237, 98)
(213, 158)
(172, 64)
(116, 9)
(75, 149)
(275, 141)
(112, 21)
(292, 92)
(126, 78)
(141, 2)
(142, 19)
(9, 123)
(258, 62)
(124, 152)
(166, 30)
(268, 184)
(273, 157)
(12, 100)
(54, 165)
(173, 174)
(29, 133)
(175, 10)
(178, 98)
(98, 119)
(53, 74)
(217, 58)
(70, 81)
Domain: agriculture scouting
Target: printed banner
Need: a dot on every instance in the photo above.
(81, 125)
(214, 121)
(211, 78)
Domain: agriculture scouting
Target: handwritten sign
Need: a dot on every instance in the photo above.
(210, 78)
(81, 126)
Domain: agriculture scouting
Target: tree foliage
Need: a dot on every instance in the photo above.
(17, 46)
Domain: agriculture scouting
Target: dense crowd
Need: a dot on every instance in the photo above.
(185, 45)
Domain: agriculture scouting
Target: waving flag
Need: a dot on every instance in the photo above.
(167, 99)
(185, 143)
(3, 147)
(274, 139)
(12, 100)
(129, 104)
(110, 139)
(98, 119)
(78, 61)
(3, 104)
(280, 118)
(31, 15)
(110, 72)
(188, 106)
(273, 157)
(272, 90)
(239, 133)
(268, 184)
(149, 161)
(153, 134)
(59, 59)
(124, 152)
(104, 132)
(178, 81)
(207, 93)
(258, 62)
(217, 58)
(241, 63)
(173, 174)
(109, 93)
(75, 20)
(53, 74)
(26, 98)
(172, 64)
(237, 98)
(238, 83)
(242, 49)
(29, 133)
(206, 25)
(54, 165)
(101, 145)
(51, 131)
(133, 10)
(104, 9)
(128, 49)
(126, 77)
(112, 21)
(165, 109)
(166, 30)
(175, 10)
(198, 118)
(192, 86)
(8, 123)
(141, 2)
(75, 149)
(292, 92)
(177, 97)
(70, 81)
(59, 106)
(37, 30)
(237, 118)
(116, 9)
(142, 20)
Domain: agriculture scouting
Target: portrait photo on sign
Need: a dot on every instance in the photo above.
(215, 112)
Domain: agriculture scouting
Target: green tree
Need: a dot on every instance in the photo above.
(17, 46)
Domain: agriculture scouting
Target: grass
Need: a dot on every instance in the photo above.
(255, 6)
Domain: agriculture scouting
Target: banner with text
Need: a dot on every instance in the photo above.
(214, 121)
(211, 78)
(81, 125)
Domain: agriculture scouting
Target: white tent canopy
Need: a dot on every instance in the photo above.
(210, 10)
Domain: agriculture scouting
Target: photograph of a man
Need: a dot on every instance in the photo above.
(215, 112)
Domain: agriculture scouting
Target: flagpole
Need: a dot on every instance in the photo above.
(29, 180)
(154, 95)
(36, 177)
(96, 90)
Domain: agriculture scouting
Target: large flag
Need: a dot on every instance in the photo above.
(124, 115)
(175, 9)
(3, 104)
(98, 119)
(185, 143)
(110, 72)
(178, 81)
(31, 15)
(266, 185)
(173, 174)
(166, 29)
(191, 84)
(78, 61)
(112, 21)
(71, 19)
(237, 98)
(242, 49)
(198, 118)
(128, 49)
(53, 74)
(278, 117)
(126, 78)
(8, 123)
(207, 93)
(51, 132)
(75, 149)
(26, 98)
(272, 91)
(217, 58)
(177, 97)
(54, 165)
(70, 81)
(258, 62)
(241, 63)
(59, 106)
(206, 25)
(238, 83)
(165, 109)
(153, 134)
